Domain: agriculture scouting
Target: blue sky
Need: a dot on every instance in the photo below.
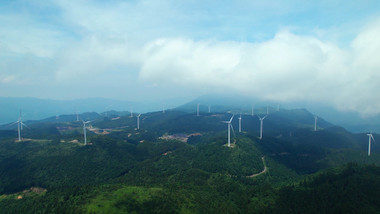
(322, 51)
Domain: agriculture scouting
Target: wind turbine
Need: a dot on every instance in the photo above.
(229, 125)
(163, 108)
(84, 131)
(240, 123)
(261, 125)
(131, 111)
(107, 108)
(253, 110)
(370, 137)
(138, 121)
(267, 110)
(77, 116)
(209, 108)
(19, 126)
(198, 110)
(315, 122)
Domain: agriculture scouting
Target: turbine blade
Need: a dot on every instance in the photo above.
(233, 130)
(23, 124)
(89, 121)
(231, 118)
(12, 123)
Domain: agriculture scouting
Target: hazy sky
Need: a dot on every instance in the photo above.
(324, 51)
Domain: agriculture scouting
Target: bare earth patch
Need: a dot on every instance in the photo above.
(181, 137)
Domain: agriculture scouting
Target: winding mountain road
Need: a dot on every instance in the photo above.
(262, 172)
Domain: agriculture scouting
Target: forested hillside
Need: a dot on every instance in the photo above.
(180, 163)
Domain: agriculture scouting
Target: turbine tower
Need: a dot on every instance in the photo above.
(198, 110)
(138, 121)
(84, 131)
(209, 108)
(20, 118)
(240, 123)
(261, 125)
(77, 116)
(131, 111)
(370, 137)
(163, 108)
(267, 110)
(229, 125)
(315, 123)
(253, 110)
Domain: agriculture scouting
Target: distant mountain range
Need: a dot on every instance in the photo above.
(351, 121)
(37, 109)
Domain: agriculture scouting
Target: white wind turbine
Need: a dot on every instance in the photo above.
(198, 110)
(77, 116)
(138, 121)
(131, 111)
(209, 108)
(20, 124)
(229, 125)
(370, 137)
(315, 123)
(163, 108)
(267, 110)
(84, 131)
(240, 123)
(261, 125)
(253, 110)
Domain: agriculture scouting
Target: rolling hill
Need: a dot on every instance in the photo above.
(178, 162)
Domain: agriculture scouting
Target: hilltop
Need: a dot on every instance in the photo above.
(38, 109)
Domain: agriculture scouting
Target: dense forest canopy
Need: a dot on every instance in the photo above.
(180, 163)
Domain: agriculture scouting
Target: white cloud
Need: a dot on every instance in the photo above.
(203, 46)
(287, 67)
(95, 56)
(6, 79)
(21, 34)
